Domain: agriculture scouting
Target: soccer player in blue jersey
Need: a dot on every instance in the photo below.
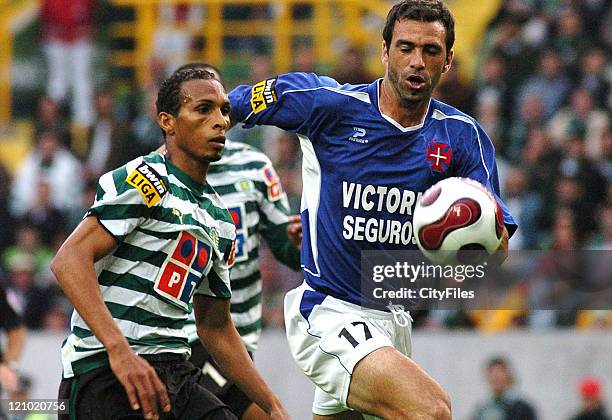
(369, 152)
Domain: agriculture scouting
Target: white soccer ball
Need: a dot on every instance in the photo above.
(458, 220)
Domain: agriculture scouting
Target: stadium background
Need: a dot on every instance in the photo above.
(535, 73)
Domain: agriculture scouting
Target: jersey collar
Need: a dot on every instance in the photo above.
(376, 99)
(198, 188)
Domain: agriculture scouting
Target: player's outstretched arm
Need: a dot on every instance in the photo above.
(221, 340)
(73, 267)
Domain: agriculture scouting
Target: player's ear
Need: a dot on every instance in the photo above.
(166, 121)
(449, 61)
(385, 53)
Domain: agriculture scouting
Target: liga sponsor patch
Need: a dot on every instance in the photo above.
(263, 94)
(148, 182)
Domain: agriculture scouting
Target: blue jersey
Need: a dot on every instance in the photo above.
(362, 171)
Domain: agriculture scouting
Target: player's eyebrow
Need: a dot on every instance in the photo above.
(406, 43)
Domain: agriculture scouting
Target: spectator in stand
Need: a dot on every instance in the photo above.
(504, 403)
(491, 83)
(525, 206)
(145, 130)
(602, 239)
(571, 40)
(6, 219)
(352, 69)
(46, 219)
(593, 78)
(11, 324)
(531, 115)
(550, 84)
(581, 115)
(591, 183)
(504, 37)
(304, 58)
(28, 299)
(49, 117)
(111, 145)
(455, 91)
(540, 159)
(593, 407)
(68, 35)
(52, 163)
(28, 241)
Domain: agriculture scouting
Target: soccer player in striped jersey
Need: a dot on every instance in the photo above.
(369, 151)
(247, 182)
(156, 237)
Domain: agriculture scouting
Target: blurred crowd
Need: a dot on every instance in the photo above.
(541, 90)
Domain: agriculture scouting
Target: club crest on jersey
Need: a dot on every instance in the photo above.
(263, 94)
(244, 185)
(148, 183)
(238, 214)
(439, 156)
(182, 271)
(214, 237)
(275, 188)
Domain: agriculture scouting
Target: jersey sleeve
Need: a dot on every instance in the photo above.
(124, 199)
(285, 101)
(478, 163)
(274, 211)
(217, 281)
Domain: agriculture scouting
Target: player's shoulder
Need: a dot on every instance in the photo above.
(443, 110)
(327, 88)
(452, 117)
(146, 174)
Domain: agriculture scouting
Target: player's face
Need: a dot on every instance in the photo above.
(416, 59)
(202, 120)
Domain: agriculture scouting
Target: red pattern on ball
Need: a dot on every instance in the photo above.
(461, 213)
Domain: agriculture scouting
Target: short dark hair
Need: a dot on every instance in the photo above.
(498, 361)
(201, 65)
(169, 95)
(424, 11)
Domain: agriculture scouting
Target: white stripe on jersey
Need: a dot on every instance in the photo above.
(311, 175)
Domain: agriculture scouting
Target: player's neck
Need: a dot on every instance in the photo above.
(196, 169)
(407, 115)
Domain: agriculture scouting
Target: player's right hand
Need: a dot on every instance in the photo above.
(279, 413)
(294, 230)
(142, 385)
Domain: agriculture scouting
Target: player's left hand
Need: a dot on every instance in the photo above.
(8, 378)
(279, 413)
(294, 230)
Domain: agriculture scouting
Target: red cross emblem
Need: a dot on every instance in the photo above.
(439, 155)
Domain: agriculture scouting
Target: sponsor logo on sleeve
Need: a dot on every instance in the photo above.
(148, 182)
(240, 250)
(263, 94)
(275, 188)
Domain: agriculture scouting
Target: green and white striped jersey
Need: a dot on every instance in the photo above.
(249, 186)
(175, 239)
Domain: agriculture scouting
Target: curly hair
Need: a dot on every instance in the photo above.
(169, 96)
